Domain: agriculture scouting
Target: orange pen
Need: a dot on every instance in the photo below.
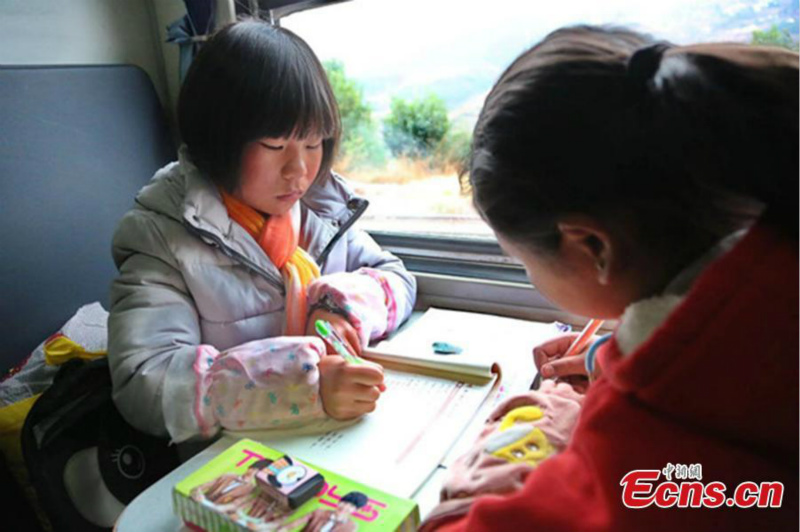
(583, 338)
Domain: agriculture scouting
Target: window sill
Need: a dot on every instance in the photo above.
(474, 258)
(502, 298)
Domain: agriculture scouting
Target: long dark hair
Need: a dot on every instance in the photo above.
(681, 145)
(253, 80)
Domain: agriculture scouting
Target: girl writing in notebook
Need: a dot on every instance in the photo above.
(656, 185)
(234, 251)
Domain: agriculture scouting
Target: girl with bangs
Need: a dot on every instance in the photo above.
(655, 185)
(234, 251)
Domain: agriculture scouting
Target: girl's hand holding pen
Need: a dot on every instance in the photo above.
(349, 390)
(349, 386)
(565, 357)
(551, 362)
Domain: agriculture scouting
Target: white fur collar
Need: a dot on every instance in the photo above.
(642, 318)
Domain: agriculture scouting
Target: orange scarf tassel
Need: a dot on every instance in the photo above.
(278, 236)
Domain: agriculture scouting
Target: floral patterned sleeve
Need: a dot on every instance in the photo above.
(270, 383)
(366, 297)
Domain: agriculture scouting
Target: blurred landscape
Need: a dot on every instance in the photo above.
(410, 89)
(463, 87)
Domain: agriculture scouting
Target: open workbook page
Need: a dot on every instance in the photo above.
(396, 447)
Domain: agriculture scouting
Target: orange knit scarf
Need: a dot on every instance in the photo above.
(278, 237)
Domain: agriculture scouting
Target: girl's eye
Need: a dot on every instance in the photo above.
(314, 146)
(275, 147)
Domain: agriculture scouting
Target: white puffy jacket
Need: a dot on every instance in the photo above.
(190, 278)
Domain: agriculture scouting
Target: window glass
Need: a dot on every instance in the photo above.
(411, 76)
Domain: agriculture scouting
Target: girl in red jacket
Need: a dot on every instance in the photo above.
(656, 185)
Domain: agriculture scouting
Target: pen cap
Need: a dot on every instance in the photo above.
(322, 328)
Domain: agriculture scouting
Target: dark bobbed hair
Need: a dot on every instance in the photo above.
(253, 80)
(356, 498)
(678, 145)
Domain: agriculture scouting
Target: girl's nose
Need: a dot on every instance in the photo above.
(294, 166)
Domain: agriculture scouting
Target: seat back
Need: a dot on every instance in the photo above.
(76, 143)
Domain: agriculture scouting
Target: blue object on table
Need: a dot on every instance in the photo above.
(562, 327)
(445, 348)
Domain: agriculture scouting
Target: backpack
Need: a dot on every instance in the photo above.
(84, 460)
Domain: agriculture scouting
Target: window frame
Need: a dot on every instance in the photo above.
(458, 256)
(275, 10)
(472, 274)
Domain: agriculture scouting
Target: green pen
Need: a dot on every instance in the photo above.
(328, 333)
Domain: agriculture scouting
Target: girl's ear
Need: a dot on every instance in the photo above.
(590, 243)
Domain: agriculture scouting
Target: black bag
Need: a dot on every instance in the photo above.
(85, 462)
